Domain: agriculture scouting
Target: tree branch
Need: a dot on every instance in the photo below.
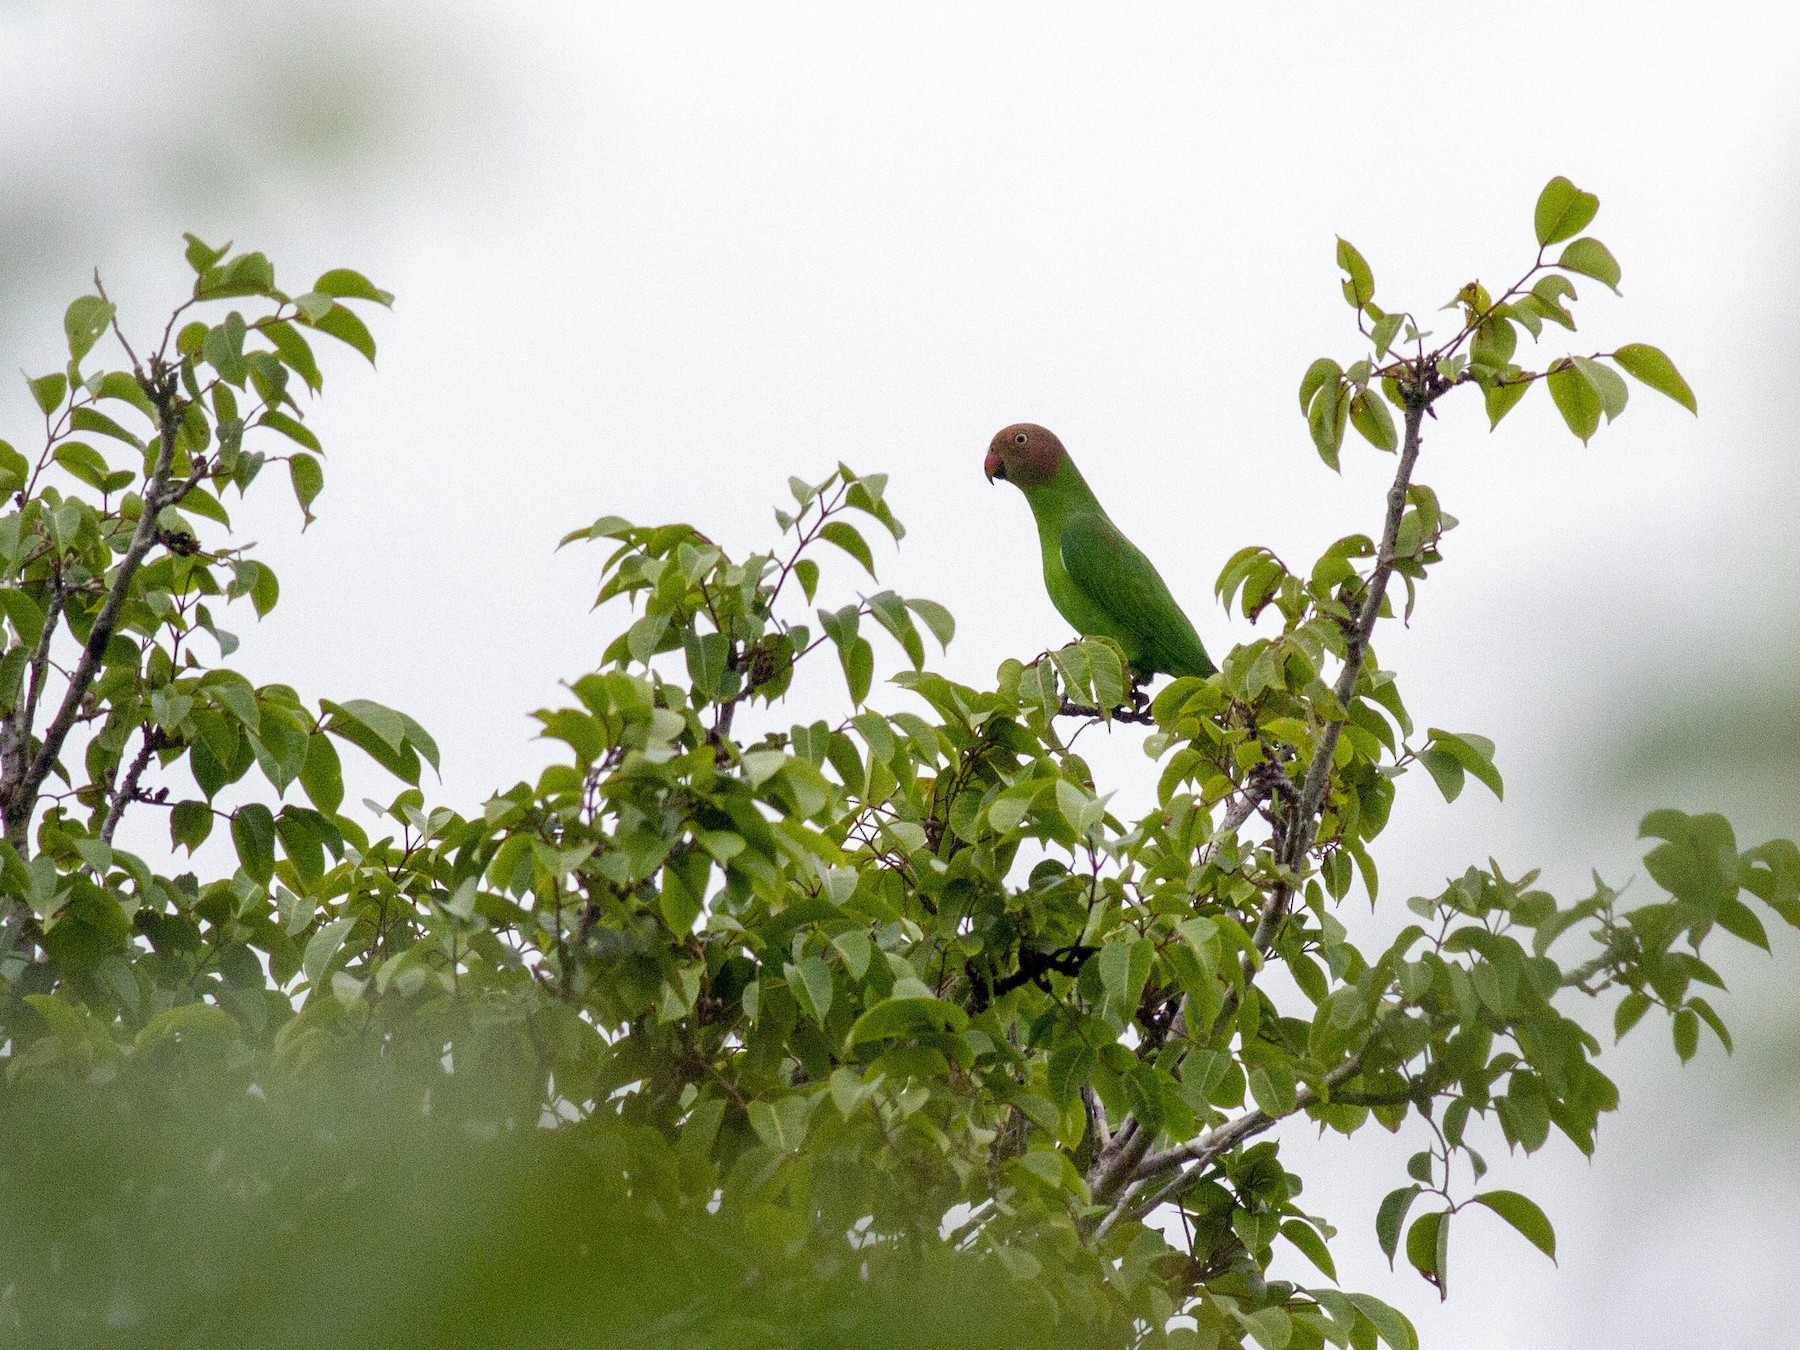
(20, 801)
(1314, 787)
(1119, 1160)
(1197, 1153)
(16, 746)
(126, 793)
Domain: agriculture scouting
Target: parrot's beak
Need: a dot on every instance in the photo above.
(994, 466)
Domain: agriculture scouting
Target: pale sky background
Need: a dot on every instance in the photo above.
(653, 258)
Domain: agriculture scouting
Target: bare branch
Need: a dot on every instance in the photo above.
(1194, 1155)
(127, 791)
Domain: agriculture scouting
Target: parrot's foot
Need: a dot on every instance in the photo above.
(1140, 701)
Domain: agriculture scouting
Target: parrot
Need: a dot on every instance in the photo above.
(1097, 578)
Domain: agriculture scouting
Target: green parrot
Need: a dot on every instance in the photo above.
(1097, 578)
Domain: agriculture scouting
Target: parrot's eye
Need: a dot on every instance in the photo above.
(1020, 439)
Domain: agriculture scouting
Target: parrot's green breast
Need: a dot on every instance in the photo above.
(1103, 584)
(1086, 617)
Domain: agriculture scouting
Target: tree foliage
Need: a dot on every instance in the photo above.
(879, 988)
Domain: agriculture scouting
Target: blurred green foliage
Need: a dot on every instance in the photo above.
(191, 1198)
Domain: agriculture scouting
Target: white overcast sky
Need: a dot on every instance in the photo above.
(653, 258)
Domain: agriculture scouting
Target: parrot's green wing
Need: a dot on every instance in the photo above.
(1120, 586)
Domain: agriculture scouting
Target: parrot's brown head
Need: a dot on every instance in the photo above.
(1025, 454)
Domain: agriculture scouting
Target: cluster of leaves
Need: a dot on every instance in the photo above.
(882, 981)
(108, 582)
(1481, 351)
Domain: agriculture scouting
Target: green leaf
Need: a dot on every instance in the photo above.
(644, 639)
(847, 537)
(1389, 1324)
(889, 610)
(1037, 685)
(810, 979)
(343, 325)
(1156, 1100)
(1386, 329)
(49, 390)
(84, 462)
(1359, 288)
(1523, 1214)
(90, 419)
(1306, 1238)
(384, 735)
(1107, 670)
(706, 662)
(305, 835)
(683, 895)
(223, 348)
(26, 614)
(1630, 1011)
(342, 284)
(322, 947)
(937, 619)
(83, 322)
(308, 480)
(1649, 366)
(1370, 416)
(292, 428)
(246, 274)
(1071, 1066)
(858, 660)
(1391, 1218)
(1445, 770)
(907, 1016)
(808, 572)
(1474, 753)
(782, 1124)
(389, 725)
(1124, 967)
(1071, 663)
(1273, 1088)
(233, 692)
(1686, 1032)
(855, 948)
(295, 351)
(253, 834)
(1271, 1328)
(1591, 258)
(116, 384)
(1494, 342)
(1607, 382)
(322, 775)
(1427, 1243)
(1713, 1020)
(1563, 211)
(1325, 421)
(1575, 398)
(1318, 375)
(258, 581)
(202, 256)
(14, 470)
(1501, 399)
(190, 823)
